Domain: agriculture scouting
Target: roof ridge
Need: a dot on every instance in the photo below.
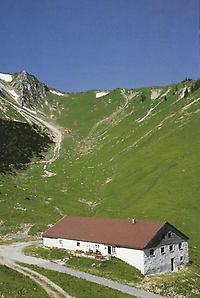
(113, 218)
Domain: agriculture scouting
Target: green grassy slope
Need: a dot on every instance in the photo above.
(13, 284)
(79, 288)
(114, 164)
(128, 154)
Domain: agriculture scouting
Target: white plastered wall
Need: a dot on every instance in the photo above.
(133, 257)
(72, 245)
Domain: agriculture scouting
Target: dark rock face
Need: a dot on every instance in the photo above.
(32, 92)
(20, 142)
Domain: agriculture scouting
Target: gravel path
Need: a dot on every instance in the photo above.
(14, 253)
(52, 289)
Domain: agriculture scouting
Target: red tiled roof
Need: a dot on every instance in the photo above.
(120, 232)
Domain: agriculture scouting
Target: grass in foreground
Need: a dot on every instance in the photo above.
(14, 284)
(114, 268)
(185, 283)
(77, 287)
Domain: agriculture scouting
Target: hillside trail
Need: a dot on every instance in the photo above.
(112, 116)
(52, 289)
(127, 96)
(31, 117)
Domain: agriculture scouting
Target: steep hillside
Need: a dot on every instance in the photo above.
(120, 152)
(129, 153)
(20, 142)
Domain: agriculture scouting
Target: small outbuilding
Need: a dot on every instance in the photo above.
(150, 246)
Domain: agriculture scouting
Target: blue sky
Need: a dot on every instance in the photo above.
(101, 44)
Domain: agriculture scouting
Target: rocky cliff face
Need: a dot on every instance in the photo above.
(30, 90)
(24, 134)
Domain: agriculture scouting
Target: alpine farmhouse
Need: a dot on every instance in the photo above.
(150, 246)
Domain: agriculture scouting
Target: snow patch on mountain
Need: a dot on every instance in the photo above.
(101, 94)
(1, 86)
(5, 77)
(10, 91)
(56, 92)
(13, 94)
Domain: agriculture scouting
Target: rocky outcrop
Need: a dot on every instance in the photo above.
(31, 91)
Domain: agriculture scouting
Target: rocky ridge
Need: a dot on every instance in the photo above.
(30, 90)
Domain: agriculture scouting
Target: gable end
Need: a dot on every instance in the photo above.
(161, 237)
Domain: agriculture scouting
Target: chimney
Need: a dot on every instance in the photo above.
(133, 220)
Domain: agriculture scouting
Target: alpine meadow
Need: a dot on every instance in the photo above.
(122, 153)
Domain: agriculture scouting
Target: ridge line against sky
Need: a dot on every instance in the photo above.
(76, 45)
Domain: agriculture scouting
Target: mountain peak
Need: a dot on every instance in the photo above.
(24, 72)
(31, 90)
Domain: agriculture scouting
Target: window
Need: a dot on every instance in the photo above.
(113, 249)
(169, 234)
(60, 241)
(78, 243)
(171, 248)
(180, 246)
(181, 258)
(97, 245)
(151, 252)
(162, 250)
